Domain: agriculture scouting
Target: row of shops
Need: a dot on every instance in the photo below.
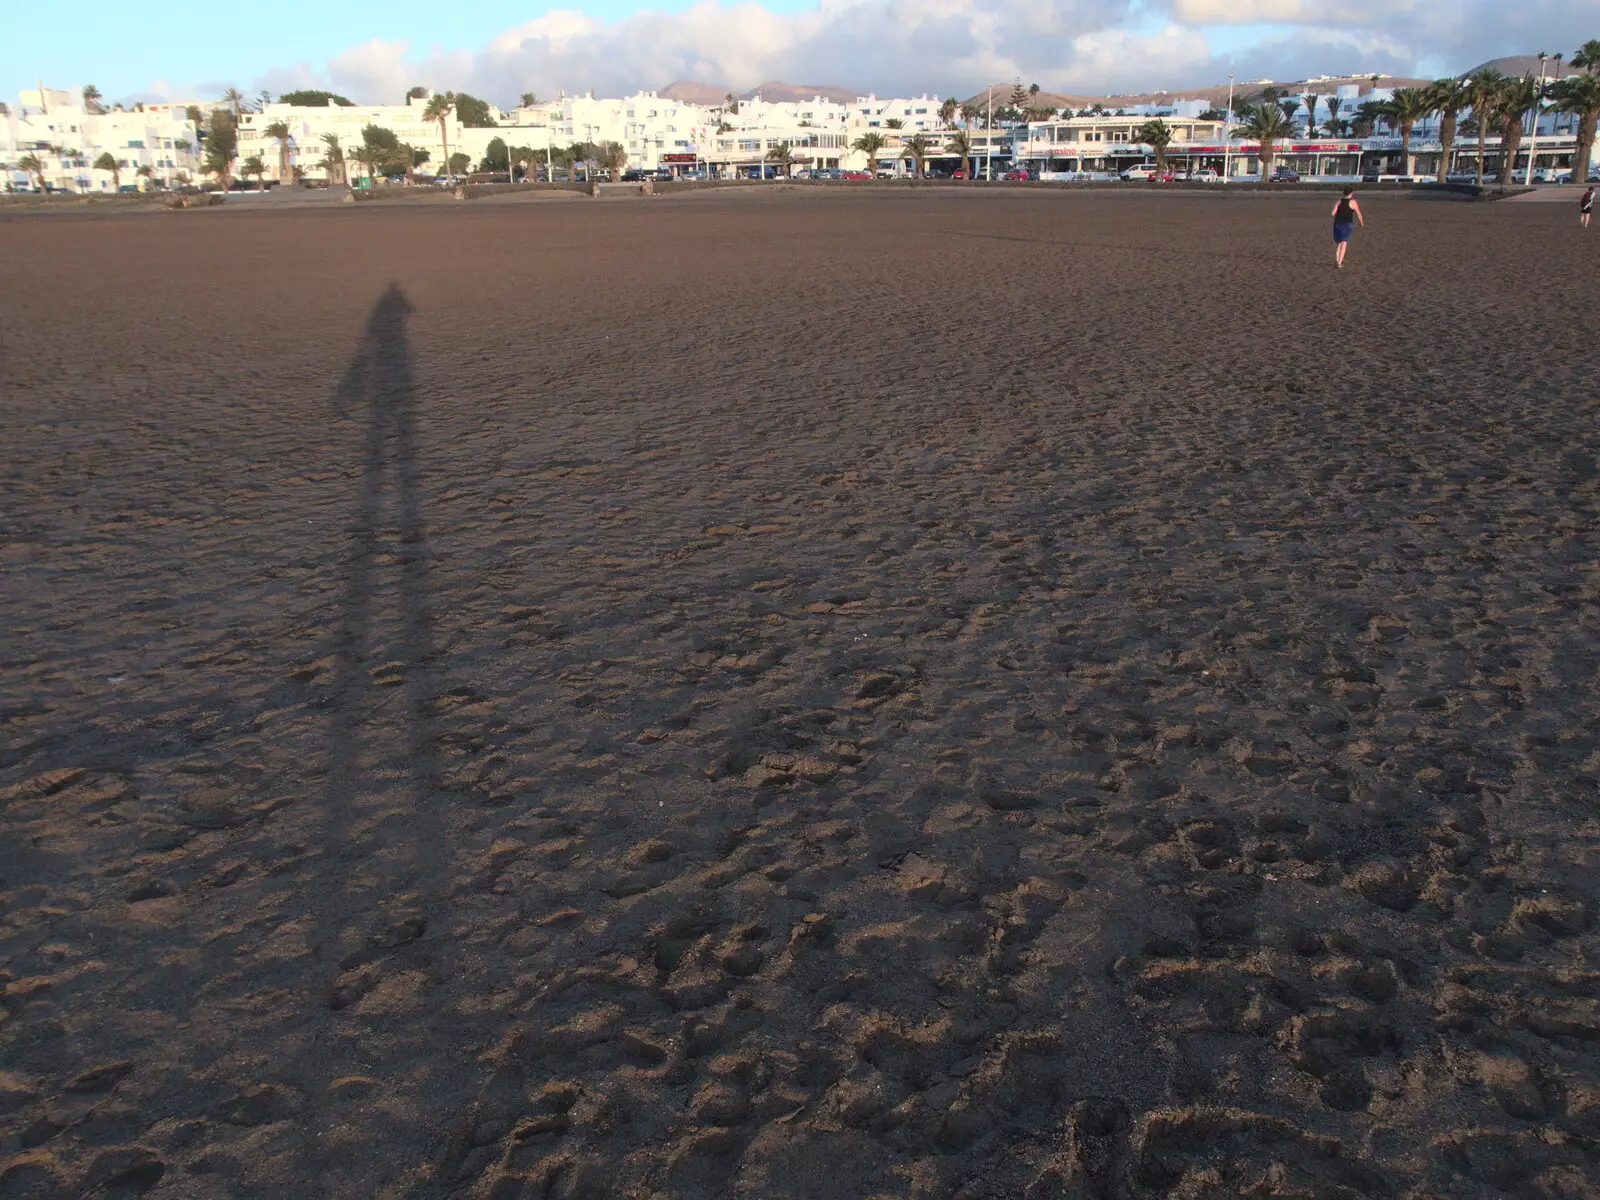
(1331, 158)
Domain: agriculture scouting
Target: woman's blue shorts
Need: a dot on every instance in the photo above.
(1341, 230)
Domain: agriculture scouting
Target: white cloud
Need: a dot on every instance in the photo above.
(956, 46)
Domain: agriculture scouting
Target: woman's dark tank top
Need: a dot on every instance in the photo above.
(1342, 215)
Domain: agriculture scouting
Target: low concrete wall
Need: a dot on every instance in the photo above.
(428, 194)
(75, 200)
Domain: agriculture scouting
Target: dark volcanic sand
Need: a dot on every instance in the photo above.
(800, 695)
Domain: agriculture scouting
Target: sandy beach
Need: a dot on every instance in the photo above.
(932, 695)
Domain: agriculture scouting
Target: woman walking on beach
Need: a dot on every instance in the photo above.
(1345, 215)
(1585, 207)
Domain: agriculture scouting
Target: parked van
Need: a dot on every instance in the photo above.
(1143, 171)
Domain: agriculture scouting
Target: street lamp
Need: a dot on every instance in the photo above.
(1227, 132)
(1533, 136)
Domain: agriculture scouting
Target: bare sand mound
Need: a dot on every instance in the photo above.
(800, 695)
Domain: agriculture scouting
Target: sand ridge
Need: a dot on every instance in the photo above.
(823, 696)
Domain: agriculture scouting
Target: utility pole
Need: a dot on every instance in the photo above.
(1227, 132)
(988, 145)
(1533, 135)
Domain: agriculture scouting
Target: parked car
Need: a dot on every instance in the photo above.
(959, 173)
(635, 175)
(1019, 175)
(1206, 175)
(1285, 175)
(1142, 171)
(855, 175)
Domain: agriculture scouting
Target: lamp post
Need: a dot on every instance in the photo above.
(1533, 135)
(988, 145)
(1227, 133)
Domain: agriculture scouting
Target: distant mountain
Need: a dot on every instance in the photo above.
(1216, 94)
(1518, 65)
(780, 92)
(686, 91)
(712, 94)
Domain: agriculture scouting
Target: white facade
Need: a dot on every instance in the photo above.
(68, 138)
(308, 125)
(658, 132)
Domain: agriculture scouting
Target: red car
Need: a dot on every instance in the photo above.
(1019, 175)
(856, 175)
(959, 173)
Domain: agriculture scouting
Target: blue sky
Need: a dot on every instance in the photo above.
(372, 50)
(123, 47)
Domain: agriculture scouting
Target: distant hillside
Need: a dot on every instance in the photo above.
(685, 91)
(688, 92)
(1215, 94)
(711, 94)
(1517, 65)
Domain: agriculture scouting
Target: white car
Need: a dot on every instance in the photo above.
(1206, 176)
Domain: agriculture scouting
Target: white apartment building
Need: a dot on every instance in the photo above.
(308, 126)
(67, 138)
(661, 133)
(1103, 143)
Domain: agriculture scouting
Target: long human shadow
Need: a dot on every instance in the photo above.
(387, 565)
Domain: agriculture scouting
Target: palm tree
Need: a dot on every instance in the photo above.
(1157, 135)
(1447, 97)
(145, 173)
(254, 166)
(222, 143)
(91, 100)
(234, 99)
(1581, 97)
(1404, 109)
(32, 164)
(613, 157)
(870, 143)
(948, 110)
(961, 146)
(1517, 96)
(279, 132)
(1265, 124)
(1368, 114)
(782, 157)
(333, 158)
(1587, 56)
(894, 123)
(969, 114)
(529, 99)
(1333, 115)
(917, 147)
(1483, 96)
(108, 162)
(1311, 99)
(438, 109)
(369, 158)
